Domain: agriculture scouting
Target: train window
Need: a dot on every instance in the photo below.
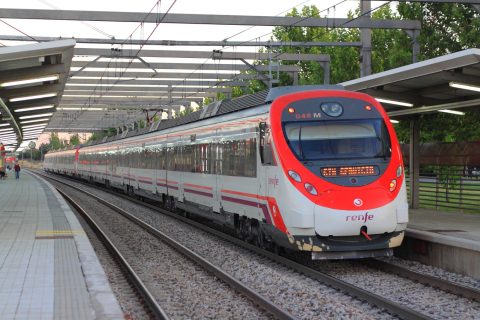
(324, 140)
(265, 145)
(238, 157)
(217, 162)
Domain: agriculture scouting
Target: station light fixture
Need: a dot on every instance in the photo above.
(394, 121)
(35, 125)
(29, 81)
(395, 102)
(32, 133)
(459, 113)
(79, 108)
(464, 86)
(4, 124)
(8, 134)
(38, 96)
(33, 130)
(34, 108)
(36, 120)
(37, 116)
(6, 129)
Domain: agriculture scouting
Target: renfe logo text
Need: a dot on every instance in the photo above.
(361, 217)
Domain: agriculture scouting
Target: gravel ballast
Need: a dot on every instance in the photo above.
(300, 295)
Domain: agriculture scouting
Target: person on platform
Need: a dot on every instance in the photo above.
(17, 170)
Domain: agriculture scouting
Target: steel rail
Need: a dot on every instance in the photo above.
(434, 282)
(256, 298)
(349, 289)
(400, 310)
(154, 307)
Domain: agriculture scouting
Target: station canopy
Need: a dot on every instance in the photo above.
(32, 80)
(450, 83)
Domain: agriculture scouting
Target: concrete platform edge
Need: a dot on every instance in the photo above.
(443, 239)
(104, 301)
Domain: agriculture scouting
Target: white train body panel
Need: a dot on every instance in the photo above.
(214, 165)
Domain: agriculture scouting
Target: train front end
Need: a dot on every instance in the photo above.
(345, 193)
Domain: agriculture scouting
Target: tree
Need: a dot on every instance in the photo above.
(74, 140)
(184, 112)
(55, 142)
(446, 27)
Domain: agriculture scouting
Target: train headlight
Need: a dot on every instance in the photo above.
(311, 189)
(393, 185)
(399, 171)
(295, 176)
(332, 109)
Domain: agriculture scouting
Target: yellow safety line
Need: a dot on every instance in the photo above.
(59, 232)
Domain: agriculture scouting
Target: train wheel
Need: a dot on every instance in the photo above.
(173, 204)
(259, 238)
(246, 230)
(164, 200)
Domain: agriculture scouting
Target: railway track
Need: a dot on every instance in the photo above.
(156, 309)
(435, 282)
(364, 295)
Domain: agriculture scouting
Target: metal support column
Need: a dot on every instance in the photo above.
(415, 45)
(414, 162)
(326, 72)
(295, 78)
(366, 39)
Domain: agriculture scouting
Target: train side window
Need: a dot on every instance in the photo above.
(265, 145)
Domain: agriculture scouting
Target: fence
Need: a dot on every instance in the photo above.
(449, 188)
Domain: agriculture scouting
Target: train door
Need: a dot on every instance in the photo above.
(179, 148)
(268, 181)
(115, 155)
(75, 163)
(216, 169)
(266, 158)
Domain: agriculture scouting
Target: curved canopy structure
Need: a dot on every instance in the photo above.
(32, 80)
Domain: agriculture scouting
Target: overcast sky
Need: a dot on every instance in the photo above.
(166, 31)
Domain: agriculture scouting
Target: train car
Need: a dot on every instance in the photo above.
(308, 168)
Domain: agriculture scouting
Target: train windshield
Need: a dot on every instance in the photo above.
(342, 139)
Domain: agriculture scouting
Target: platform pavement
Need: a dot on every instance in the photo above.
(448, 240)
(459, 228)
(48, 268)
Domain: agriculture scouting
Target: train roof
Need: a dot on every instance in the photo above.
(219, 108)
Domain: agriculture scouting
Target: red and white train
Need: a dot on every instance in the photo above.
(314, 169)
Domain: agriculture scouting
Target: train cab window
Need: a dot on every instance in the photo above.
(326, 140)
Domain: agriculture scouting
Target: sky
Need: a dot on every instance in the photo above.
(93, 29)
(165, 31)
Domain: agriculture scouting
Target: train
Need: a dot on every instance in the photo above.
(313, 169)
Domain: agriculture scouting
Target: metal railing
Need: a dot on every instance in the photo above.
(449, 188)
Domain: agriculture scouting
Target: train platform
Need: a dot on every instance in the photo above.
(48, 268)
(449, 240)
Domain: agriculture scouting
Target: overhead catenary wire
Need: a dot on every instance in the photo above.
(227, 47)
(82, 22)
(159, 21)
(11, 26)
(341, 25)
(251, 27)
(353, 19)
